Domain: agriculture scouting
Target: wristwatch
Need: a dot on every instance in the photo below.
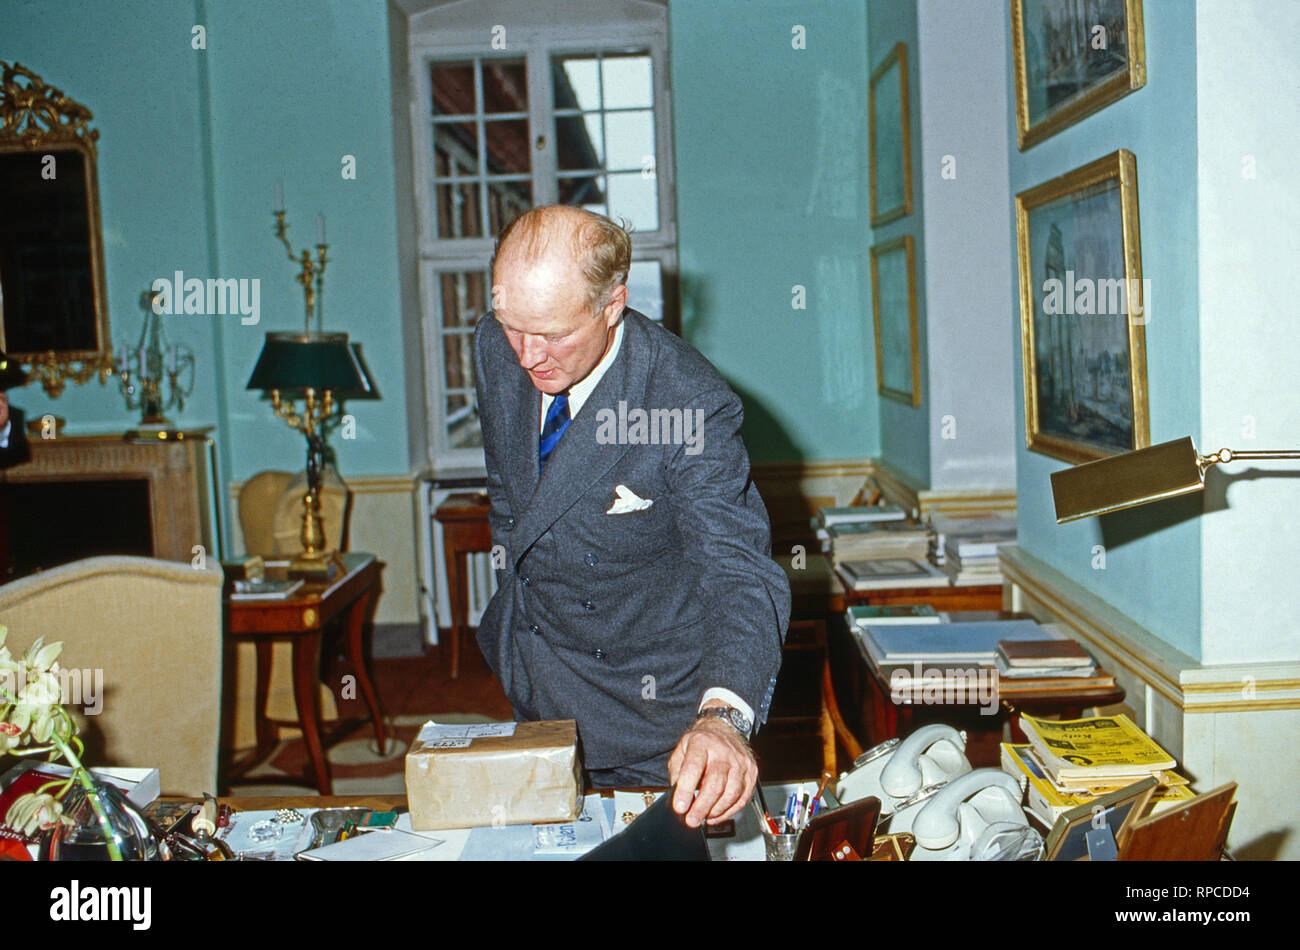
(729, 714)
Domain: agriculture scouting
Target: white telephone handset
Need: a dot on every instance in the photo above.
(895, 771)
(974, 817)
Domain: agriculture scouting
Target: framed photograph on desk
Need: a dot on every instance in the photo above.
(1083, 312)
(1117, 810)
(893, 308)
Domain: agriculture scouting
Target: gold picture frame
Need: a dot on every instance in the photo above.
(889, 129)
(48, 158)
(1069, 65)
(893, 295)
(1083, 334)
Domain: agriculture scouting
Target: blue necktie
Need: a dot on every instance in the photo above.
(557, 420)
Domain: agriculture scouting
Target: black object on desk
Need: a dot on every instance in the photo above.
(657, 834)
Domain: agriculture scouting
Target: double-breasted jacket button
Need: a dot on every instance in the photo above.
(599, 654)
(588, 605)
(525, 580)
(510, 522)
(534, 628)
(590, 559)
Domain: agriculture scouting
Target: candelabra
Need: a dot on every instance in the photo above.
(312, 272)
(321, 368)
(141, 372)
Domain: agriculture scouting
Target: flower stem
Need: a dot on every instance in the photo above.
(92, 795)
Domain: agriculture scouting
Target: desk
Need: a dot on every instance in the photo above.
(465, 530)
(515, 842)
(882, 718)
(300, 620)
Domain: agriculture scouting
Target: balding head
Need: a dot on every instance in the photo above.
(559, 237)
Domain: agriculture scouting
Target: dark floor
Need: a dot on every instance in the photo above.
(421, 685)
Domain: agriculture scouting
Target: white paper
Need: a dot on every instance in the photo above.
(436, 733)
(378, 845)
(453, 841)
(574, 837)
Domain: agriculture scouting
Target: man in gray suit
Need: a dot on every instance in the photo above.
(637, 594)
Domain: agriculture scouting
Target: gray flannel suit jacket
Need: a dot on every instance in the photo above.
(621, 621)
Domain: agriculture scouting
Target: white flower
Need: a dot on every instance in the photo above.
(32, 811)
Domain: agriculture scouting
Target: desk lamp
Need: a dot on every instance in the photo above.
(1136, 478)
(321, 368)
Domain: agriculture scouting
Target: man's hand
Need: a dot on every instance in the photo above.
(4, 410)
(715, 758)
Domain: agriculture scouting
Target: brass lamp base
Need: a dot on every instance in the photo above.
(315, 566)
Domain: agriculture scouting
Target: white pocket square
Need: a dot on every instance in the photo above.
(627, 501)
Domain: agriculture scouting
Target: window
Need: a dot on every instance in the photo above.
(576, 115)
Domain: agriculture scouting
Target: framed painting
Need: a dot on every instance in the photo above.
(1084, 307)
(1072, 58)
(889, 127)
(893, 307)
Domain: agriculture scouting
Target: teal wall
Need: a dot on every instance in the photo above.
(152, 166)
(772, 193)
(1152, 571)
(904, 430)
(291, 95)
(191, 144)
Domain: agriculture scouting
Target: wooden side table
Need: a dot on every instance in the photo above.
(465, 530)
(300, 620)
(978, 597)
(884, 716)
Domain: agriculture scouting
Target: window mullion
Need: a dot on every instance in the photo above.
(541, 107)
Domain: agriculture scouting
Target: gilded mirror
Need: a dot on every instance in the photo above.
(53, 304)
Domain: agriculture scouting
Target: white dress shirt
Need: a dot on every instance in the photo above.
(578, 394)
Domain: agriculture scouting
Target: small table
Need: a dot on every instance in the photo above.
(300, 620)
(465, 530)
(886, 718)
(972, 597)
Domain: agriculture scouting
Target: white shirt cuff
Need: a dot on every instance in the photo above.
(731, 699)
(4, 434)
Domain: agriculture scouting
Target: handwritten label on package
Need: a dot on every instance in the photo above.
(439, 735)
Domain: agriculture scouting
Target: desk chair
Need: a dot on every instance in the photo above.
(154, 628)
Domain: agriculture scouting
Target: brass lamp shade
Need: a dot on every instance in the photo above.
(1127, 480)
(295, 362)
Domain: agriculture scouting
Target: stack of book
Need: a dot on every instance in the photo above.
(867, 541)
(857, 514)
(891, 573)
(1070, 762)
(967, 548)
(1037, 665)
(863, 615)
(969, 644)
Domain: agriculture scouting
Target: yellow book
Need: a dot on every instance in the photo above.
(1094, 748)
(1049, 801)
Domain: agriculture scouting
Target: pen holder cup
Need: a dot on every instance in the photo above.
(780, 847)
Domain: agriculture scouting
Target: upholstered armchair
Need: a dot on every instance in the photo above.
(154, 628)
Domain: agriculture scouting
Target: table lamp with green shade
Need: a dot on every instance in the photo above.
(1136, 478)
(322, 369)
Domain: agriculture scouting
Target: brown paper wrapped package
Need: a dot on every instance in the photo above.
(532, 776)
